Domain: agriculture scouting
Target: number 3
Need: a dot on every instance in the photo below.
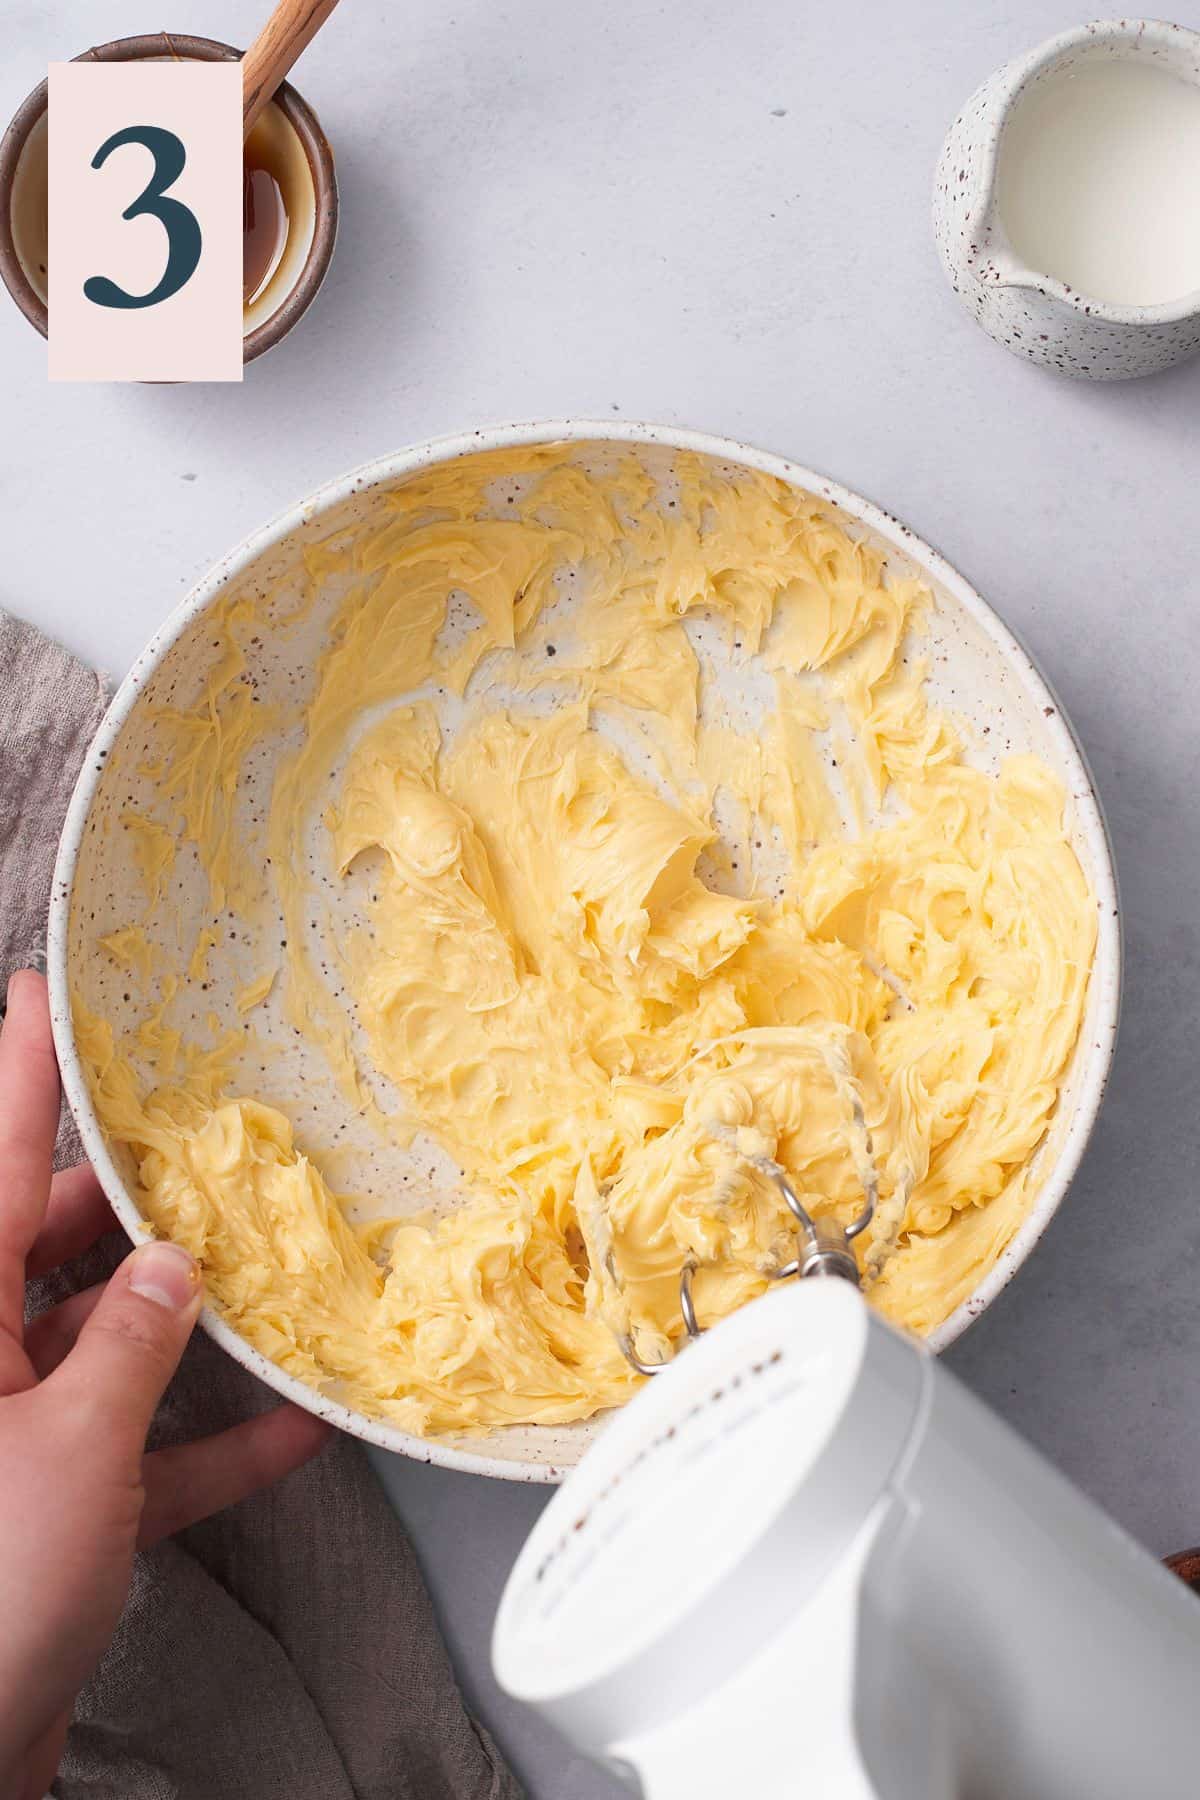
(180, 224)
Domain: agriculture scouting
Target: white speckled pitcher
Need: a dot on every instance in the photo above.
(1029, 312)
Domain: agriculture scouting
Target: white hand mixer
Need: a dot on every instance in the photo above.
(806, 1561)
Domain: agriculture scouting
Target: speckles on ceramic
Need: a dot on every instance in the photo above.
(1036, 316)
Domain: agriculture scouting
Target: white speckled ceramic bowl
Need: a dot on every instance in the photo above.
(1028, 312)
(978, 670)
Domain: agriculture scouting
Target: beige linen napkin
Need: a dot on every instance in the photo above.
(286, 1649)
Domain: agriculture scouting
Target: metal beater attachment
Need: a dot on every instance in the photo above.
(822, 1249)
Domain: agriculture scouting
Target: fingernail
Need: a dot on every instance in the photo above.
(166, 1274)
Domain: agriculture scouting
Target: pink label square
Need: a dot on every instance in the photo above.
(157, 295)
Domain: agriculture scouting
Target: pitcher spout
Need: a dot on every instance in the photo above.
(996, 264)
(988, 254)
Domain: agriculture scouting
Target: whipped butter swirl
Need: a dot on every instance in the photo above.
(601, 912)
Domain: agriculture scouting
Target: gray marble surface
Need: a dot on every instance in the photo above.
(716, 216)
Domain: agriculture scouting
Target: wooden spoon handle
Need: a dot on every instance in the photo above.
(1187, 1566)
(288, 31)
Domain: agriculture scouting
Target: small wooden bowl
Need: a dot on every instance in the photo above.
(30, 118)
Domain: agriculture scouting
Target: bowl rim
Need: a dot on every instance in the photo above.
(300, 117)
(386, 471)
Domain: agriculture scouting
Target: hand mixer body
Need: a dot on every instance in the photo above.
(805, 1561)
(1070, 1656)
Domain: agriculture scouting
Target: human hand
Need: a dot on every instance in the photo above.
(78, 1389)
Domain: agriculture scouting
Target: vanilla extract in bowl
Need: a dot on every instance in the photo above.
(278, 214)
(289, 194)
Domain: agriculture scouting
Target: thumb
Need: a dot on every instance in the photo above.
(131, 1344)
